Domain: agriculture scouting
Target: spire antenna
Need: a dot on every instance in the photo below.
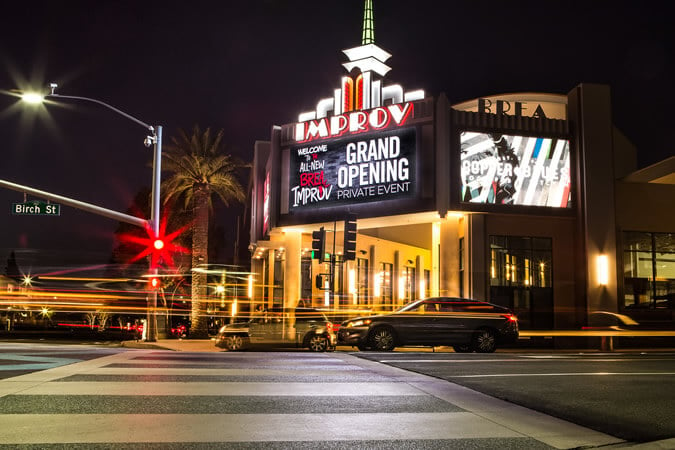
(368, 33)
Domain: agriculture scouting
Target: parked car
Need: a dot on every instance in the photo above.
(465, 324)
(607, 320)
(312, 330)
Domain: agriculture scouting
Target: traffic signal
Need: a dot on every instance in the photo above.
(318, 244)
(349, 244)
(155, 283)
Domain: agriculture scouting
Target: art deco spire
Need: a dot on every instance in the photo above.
(368, 33)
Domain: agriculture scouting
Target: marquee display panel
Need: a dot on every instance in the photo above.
(353, 170)
(515, 170)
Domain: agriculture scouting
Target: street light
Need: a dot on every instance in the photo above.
(155, 139)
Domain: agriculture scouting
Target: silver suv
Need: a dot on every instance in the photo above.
(302, 327)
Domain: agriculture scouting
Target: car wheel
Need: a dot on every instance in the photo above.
(234, 343)
(484, 341)
(462, 348)
(318, 343)
(382, 339)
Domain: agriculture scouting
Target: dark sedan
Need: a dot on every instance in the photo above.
(466, 325)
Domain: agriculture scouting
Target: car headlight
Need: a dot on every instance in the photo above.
(359, 323)
(222, 329)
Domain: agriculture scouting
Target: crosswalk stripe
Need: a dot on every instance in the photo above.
(202, 388)
(93, 428)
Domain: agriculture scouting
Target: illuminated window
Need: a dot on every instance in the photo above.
(649, 270)
(386, 287)
(362, 281)
(461, 267)
(520, 261)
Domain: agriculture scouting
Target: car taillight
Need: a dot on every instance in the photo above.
(329, 326)
(510, 317)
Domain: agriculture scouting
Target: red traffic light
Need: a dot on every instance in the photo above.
(155, 283)
(158, 244)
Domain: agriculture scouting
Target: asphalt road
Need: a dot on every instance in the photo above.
(624, 394)
(87, 396)
(629, 394)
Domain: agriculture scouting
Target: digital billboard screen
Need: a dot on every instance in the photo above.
(515, 170)
(353, 170)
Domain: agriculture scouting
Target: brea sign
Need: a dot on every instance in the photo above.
(354, 122)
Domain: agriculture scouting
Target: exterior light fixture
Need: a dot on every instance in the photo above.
(602, 269)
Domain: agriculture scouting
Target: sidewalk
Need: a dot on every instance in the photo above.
(178, 345)
(209, 345)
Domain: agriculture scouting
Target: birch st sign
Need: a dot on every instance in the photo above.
(36, 208)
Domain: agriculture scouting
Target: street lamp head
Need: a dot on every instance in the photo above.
(32, 97)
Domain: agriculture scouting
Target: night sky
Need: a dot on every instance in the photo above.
(245, 66)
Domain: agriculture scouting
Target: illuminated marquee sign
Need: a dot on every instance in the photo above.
(356, 169)
(266, 204)
(515, 170)
(354, 122)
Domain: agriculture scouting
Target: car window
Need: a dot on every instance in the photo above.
(445, 307)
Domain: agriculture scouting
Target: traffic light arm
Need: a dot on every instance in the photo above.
(109, 213)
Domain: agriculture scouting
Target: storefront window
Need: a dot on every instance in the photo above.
(408, 284)
(521, 278)
(386, 287)
(461, 267)
(278, 299)
(306, 281)
(649, 270)
(362, 281)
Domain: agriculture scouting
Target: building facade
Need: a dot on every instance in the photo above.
(527, 200)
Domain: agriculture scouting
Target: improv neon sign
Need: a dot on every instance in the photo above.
(354, 122)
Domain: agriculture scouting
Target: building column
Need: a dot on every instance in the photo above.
(435, 258)
(477, 251)
(292, 268)
(449, 258)
(591, 114)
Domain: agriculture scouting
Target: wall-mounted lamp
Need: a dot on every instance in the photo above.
(602, 269)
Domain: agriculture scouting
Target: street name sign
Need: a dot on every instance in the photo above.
(36, 208)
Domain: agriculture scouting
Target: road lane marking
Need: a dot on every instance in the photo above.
(561, 374)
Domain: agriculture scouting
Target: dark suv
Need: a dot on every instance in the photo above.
(302, 327)
(465, 324)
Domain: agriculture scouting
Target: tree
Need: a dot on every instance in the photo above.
(200, 171)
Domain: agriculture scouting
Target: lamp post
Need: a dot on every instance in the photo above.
(155, 139)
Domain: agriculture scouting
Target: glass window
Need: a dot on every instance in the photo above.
(386, 274)
(461, 267)
(306, 279)
(408, 284)
(520, 261)
(649, 270)
(362, 281)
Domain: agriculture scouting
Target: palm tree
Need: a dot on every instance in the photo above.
(200, 171)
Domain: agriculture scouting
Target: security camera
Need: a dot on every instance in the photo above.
(148, 141)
